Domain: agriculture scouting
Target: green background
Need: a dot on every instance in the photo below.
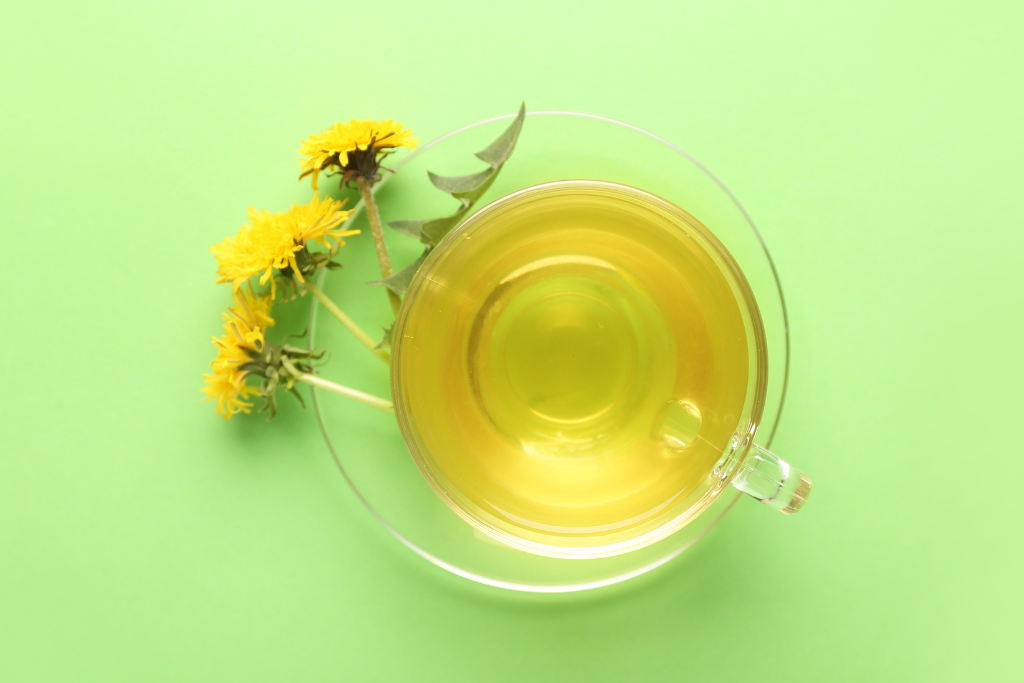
(877, 145)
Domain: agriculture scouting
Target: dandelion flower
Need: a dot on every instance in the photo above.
(244, 323)
(353, 148)
(271, 240)
(248, 318)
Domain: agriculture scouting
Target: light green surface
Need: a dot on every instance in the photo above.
(141, 538)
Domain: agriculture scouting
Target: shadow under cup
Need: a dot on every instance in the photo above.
(579, 369)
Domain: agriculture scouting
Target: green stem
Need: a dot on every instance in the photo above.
(378, 241)
(349, 324)
(368, 399)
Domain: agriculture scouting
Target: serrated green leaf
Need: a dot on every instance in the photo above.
(459, 183)
(501, 149)
(466, 188)
(435, 230)
(385, 343)
(469, 198)
(399, 282)
(410, 228)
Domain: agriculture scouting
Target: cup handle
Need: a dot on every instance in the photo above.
(773, 481)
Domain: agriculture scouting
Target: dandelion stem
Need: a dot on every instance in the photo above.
(378, 241)
(349, 324)
(368, 399)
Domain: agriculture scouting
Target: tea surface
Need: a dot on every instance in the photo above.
(574, 365)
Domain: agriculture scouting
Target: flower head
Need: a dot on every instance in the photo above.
(272, 240)
(355, 148)
(244, 323)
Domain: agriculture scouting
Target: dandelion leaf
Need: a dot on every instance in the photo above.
(501, 149)
(410, 228)
(465, 188)
(399, 282)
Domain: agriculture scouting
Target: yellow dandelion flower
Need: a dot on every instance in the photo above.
(340, 146)
(246, 320)
(244, 323)
(226, 384)
(271, 240)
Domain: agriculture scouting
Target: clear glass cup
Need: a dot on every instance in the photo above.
(448, 283)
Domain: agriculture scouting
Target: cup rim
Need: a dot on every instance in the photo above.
(735, 454)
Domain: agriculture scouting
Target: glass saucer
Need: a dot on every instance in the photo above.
(366, 444)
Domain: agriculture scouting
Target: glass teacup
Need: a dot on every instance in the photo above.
(579, 370)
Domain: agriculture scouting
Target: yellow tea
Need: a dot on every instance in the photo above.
(571, 365)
